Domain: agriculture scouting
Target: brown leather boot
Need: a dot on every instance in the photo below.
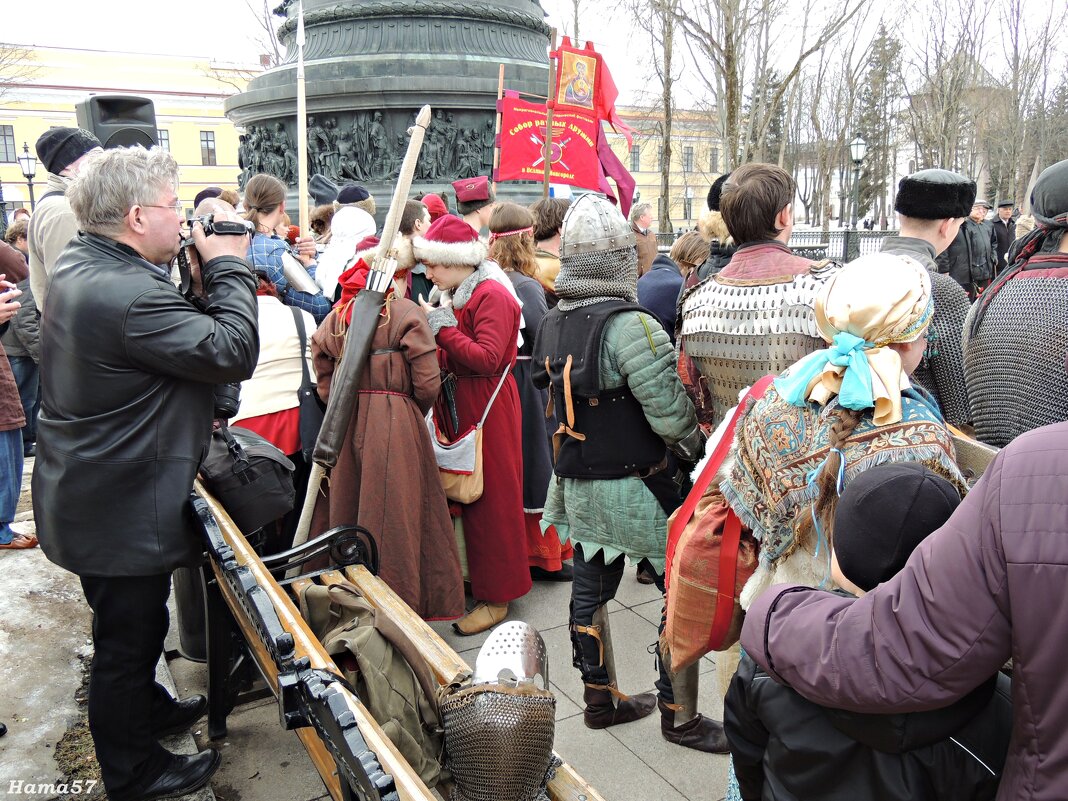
(699, 733)
(606, 706)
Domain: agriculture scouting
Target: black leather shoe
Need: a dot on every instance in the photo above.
(181, 716)
(186, 775)
(645, 576)
(3, 729)
(541, 574)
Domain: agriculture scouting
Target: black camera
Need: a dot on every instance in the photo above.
(211, 226)
(227, 400)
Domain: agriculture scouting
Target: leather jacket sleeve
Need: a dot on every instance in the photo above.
(166, 334)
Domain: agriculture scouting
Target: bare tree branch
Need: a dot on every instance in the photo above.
(17, 67)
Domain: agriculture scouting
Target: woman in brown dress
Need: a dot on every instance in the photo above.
(386, 478)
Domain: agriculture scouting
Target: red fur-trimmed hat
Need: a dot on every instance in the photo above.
(450, 241)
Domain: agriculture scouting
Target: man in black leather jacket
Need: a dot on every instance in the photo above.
(128, 368)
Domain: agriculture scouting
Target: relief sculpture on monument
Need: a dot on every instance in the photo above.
(368, 146)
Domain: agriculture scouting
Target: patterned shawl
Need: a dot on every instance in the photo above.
(779, 448)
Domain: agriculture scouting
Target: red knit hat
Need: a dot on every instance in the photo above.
(451, 241)
(435, 205)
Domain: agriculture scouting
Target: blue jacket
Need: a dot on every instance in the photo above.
(658, 291)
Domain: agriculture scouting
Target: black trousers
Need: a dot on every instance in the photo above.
(595, 584)
(130, 622)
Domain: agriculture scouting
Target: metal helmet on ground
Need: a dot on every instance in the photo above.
(598, 260)
(499, 729)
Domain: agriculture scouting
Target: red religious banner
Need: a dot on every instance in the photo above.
(522, 145)
(584, 84)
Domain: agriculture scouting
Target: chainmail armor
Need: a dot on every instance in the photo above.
(499, 742)
(942, 370)
(1014, 362)
(738, 331)
(597, 276)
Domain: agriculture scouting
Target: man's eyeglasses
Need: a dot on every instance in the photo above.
(175, 207)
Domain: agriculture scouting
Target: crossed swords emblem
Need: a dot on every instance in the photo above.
(540, 142)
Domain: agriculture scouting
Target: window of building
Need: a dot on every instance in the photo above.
(207, 148)
(713, 160)
(687, 207)
(687, 161)
(164, 139)
(7, 143)
(635, 157)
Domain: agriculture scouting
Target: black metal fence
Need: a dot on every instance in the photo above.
(839, 244)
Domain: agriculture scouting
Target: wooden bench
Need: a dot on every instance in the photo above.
(445, 663)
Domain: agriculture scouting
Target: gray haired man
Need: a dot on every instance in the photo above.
(128, 367)
(641, 225)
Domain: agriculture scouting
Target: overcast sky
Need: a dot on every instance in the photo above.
(224, 31)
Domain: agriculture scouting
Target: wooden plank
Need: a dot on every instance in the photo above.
(409, 785)
(446, 664)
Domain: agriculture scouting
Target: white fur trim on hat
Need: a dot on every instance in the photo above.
(403, 249)
(465, 254)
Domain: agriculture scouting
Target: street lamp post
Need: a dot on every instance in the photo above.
(3, 211)
(858, 149)
(28, 165)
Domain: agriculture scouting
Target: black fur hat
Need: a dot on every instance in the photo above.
(716, 190)
(935, 195)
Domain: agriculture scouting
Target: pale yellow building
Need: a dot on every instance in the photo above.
(696, 161)
(187, 92)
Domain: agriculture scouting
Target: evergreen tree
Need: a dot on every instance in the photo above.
(878, 115)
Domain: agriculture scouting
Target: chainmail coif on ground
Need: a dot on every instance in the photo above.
(597, 276)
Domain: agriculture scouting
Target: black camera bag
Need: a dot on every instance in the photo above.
(250, 477)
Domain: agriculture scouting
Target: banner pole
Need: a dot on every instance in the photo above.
(497, 129)
(304, 218)
(547, 158)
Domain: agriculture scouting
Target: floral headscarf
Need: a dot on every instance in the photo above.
(871, 303)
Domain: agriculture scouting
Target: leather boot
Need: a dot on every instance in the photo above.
(484, 616)
(699, 733)
(606, 706)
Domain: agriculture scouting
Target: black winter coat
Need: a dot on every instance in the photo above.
(786, 748)
(1006, 235)
(971, 256)
(128, 367)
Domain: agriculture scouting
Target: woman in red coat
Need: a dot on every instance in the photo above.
(476, 328)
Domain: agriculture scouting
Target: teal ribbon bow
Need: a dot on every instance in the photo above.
(846, 351)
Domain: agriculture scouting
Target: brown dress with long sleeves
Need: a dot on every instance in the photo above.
(386, 478)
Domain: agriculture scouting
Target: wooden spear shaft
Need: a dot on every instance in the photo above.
(547, 157)
(497, 128)
(302, 130)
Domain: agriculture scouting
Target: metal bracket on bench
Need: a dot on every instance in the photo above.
(344, 546)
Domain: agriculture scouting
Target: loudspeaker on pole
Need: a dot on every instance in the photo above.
(119, 120)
